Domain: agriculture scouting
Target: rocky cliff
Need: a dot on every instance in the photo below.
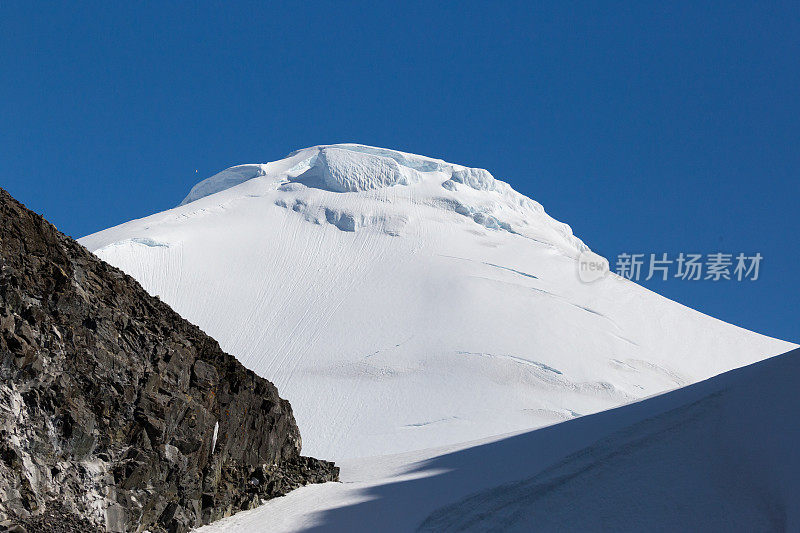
(115, 413)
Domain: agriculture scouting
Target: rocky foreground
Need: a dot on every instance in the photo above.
(115, 413)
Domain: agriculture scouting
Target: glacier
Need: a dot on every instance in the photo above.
(404, 303)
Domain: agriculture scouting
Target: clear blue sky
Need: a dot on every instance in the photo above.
(659, 127)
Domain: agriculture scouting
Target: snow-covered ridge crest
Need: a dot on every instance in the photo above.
(337, 168)
(367, 172)
(226, 179)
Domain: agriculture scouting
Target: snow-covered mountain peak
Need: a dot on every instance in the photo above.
(335, 168)
(401, 302)
(353, 186)
(351, 168)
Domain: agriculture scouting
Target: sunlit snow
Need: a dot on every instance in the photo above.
(403, 303)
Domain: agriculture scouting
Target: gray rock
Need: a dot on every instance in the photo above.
(115, 413)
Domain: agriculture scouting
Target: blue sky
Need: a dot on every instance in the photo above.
(649, 128)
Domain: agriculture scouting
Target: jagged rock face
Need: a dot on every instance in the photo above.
(117, 410)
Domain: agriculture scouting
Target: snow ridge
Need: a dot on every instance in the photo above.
(226, 179)
(363, 171)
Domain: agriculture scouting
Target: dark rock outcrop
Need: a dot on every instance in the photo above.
(117, 412)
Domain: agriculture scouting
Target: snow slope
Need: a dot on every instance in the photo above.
(403, 303)
(715, 456)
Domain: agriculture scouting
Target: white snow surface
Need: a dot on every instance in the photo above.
(403, 303)
(715, 456)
